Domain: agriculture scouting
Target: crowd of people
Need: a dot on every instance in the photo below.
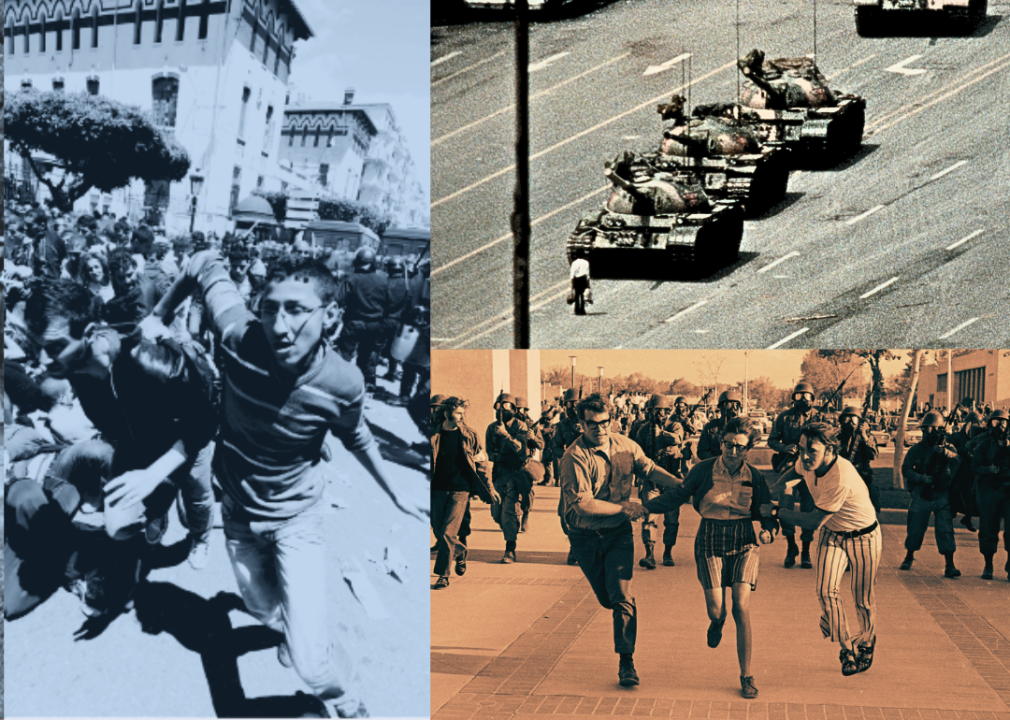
(598, 449)
(202, 373)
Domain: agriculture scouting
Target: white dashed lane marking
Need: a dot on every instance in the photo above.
(787, 338)
(879, 287)
(965, 239)
(960, 327)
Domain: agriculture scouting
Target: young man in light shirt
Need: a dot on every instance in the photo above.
(849, 537)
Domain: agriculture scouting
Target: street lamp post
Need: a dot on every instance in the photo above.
(195, 186)
(599, 382)
(573, 370)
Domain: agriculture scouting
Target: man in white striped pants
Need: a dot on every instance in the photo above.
(850, 537)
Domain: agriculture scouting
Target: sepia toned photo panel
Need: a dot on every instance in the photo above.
(666, 478)
(216, 310)
(720, 533)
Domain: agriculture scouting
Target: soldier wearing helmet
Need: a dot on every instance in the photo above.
(730, 406)
(397, 308)
(859, 448)
(962, 484)
(368, 303)
(928, 468)
(662, 442)
(507, 440)
(784, 439)
(682, 416)
(991, 465)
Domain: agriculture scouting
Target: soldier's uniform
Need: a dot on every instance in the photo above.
(506, 448)
(663, 445)
(534, 443)
(786, 433)
(367, 301)
(860, 449)
(993, 492)
(710, 442)
(927, 470)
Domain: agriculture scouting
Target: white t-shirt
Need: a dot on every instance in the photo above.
(843, 493)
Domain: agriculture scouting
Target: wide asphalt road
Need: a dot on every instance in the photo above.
(904, 245)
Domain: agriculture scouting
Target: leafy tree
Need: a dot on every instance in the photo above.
(97, 141)
(763, 394)
(826, 369)
(345, 210)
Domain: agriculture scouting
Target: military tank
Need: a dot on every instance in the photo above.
(660, 219)
(791, 100)
(958, 15)
(722, 144)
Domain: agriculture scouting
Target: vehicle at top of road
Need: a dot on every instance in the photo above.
(654, 221)
(534, 5)
(726, 151)
(793, 104)
(760, 418)
(881, 436)
(913, 433)
(957, 15)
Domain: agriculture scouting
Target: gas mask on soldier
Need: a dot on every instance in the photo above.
(801, 401)
(505, 413)
(730, 409)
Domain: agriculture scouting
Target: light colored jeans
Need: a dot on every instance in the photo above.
(280, 566)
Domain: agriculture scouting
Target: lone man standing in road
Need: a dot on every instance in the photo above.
(580, 281)
(597, 475)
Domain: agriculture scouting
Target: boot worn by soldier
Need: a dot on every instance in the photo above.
(648, 562)
(510, 553)
(668, 556)
(906, 564)
(805, 556)
(949, 569)
(792, 551)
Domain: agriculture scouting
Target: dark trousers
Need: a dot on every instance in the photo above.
(919, 511)
(367, 337)
(526, 503)
(806, 505)
(447, 510)
(606, 558)
(671, 519)
(580, 285)
(993, 507)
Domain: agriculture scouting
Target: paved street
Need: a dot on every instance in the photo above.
(181, 653)
(511, 641)
(897, 247)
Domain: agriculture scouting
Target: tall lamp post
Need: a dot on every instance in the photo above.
(599, 382)
(573, 370)
(195, 186)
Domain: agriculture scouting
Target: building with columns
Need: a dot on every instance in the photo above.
(212, 72)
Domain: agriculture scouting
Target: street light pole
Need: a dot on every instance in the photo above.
(599, 384)
(195, 186)
(573, 370)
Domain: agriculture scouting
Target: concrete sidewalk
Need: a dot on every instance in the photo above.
(530, 638)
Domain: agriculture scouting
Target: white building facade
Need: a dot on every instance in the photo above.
(212, 72)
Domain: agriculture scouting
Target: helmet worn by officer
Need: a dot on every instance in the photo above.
(932, 419)
(726, 403)
(395, 266)
(802, 403)
(663, 401)
(364, 259)
(851, 411)
(438, 399)
(570, 396)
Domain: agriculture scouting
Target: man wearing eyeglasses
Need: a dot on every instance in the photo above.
(991, 464)
(568, 430)
(598, 473)
(784, 439)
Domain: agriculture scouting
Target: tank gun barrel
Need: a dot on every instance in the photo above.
(620, 182)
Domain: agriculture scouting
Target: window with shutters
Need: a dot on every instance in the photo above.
(165, 100)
